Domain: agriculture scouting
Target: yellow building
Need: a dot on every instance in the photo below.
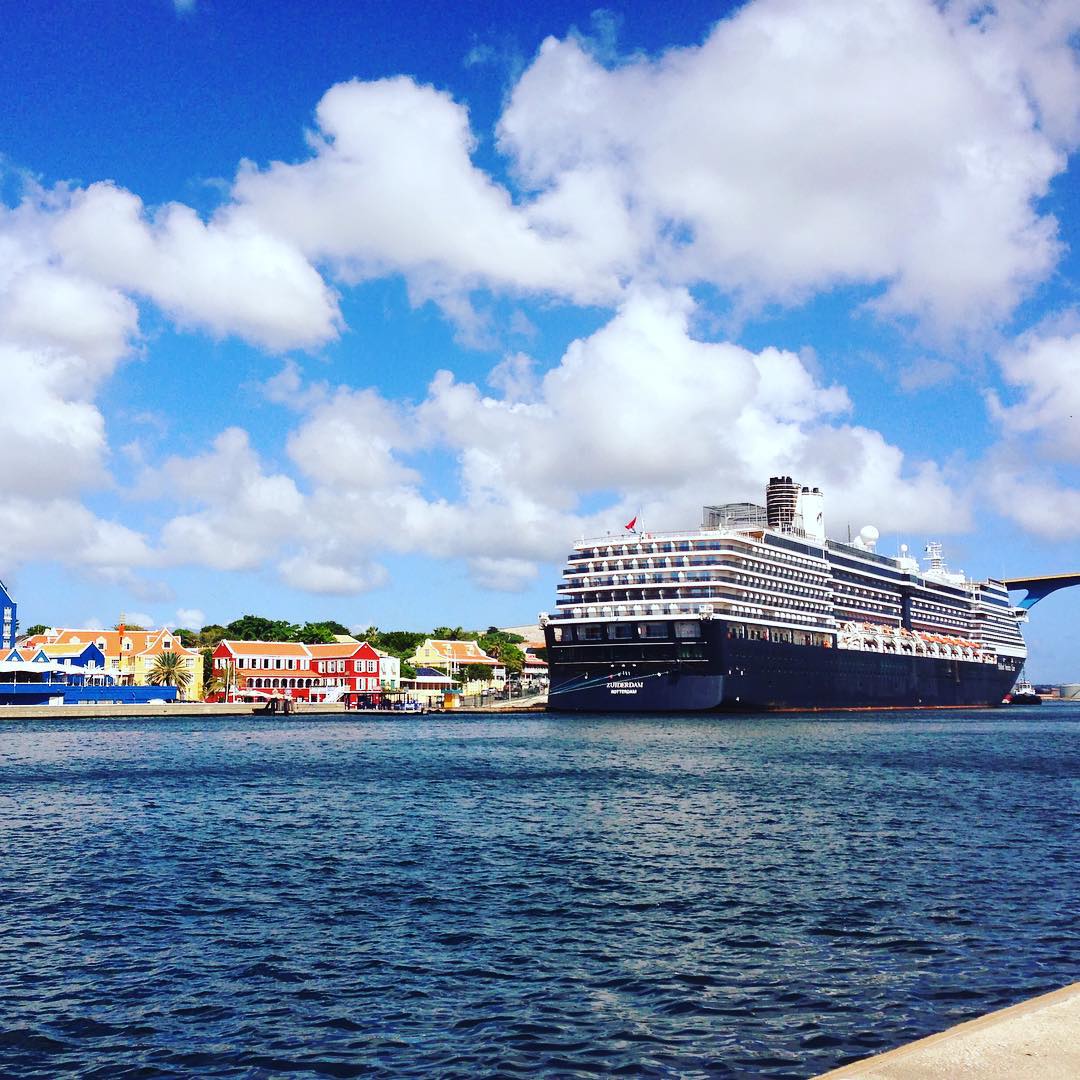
(130, 656)
(453, 657)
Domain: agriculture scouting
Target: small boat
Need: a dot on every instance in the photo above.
(1023, 693)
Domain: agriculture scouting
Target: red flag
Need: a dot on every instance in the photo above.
(631, 523)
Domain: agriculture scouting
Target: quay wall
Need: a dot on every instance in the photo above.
(91, 711)
(1038, 1039)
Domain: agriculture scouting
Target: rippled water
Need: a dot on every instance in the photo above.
(478, 896)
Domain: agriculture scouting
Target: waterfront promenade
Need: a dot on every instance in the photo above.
(1035, 1040)
(534, 703)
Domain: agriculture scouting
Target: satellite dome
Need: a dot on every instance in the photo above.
(869, 536)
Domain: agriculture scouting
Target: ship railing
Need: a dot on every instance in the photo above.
(633, 539)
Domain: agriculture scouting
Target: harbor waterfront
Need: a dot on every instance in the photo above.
(471, 895)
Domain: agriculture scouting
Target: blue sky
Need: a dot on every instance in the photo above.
(366, 311)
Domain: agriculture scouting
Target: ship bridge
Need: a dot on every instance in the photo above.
(1038, 588)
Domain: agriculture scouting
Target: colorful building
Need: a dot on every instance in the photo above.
(454, 656)
(389, 671)
(9, 624)
(131, 655)
(85, 655)
(265, 669)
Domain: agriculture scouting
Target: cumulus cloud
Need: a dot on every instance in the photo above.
(803, 146)
(192, 618)
(1033, 497)
(391, 188)
(241, 513)
(348, 441)
(639, 416)
(227, 276)
(1044, 370)
(897, 145)
(45, 528)
(308, 572)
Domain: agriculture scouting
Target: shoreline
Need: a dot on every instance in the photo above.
(95, 711)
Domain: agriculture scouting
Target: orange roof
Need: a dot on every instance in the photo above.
(461, 652)
(338, 650)
(63, 649)
(267, 648)
(151, 642)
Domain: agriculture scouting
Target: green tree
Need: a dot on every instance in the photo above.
(169, 670)
(504, 647)
(258, 628)
(513, 659)
(399, 643)
(210, 635)
(37, 628)
(315, 634)
(444, 633)
(188, 638)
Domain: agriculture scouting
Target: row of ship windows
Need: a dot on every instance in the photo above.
(620, 565)
(628, 631)
(691, 593)
(636, 552)
(676, 577)
(739, 631)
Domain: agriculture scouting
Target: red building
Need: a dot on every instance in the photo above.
(273, 669)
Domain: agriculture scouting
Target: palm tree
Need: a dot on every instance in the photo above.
(169, 670)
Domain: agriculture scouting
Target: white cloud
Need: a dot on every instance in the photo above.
(391, 188)
(45, 528)
(502, 575)
(243, 513)
(228, 276)
(640, 415)
(1045, 370)
(348, 441)
(307, 572)
(1028, 495)
(803, 146)
(192, 618)
(898, 145)
(54, 441)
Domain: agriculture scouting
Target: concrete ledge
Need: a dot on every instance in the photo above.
(1035, 1040)
(92, 710)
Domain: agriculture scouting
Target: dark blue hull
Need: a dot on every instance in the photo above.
(718, 672)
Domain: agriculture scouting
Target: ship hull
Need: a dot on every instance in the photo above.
(718, 672)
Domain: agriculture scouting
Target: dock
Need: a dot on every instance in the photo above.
(1038, 1039)
(300, 710)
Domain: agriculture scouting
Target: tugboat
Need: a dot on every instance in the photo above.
(1023, 693)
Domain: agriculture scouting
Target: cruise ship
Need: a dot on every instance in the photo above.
(758, 609)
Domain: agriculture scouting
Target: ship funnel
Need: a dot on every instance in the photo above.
(811, 509)
(781, 502)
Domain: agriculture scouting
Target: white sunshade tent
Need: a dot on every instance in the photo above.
(32, 668)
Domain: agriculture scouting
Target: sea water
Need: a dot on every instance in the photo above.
(532, 895)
